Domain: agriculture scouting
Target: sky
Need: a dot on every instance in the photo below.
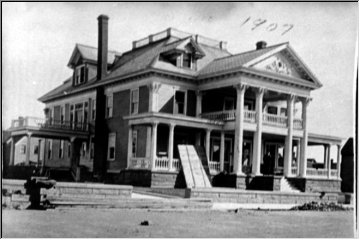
(38, 40)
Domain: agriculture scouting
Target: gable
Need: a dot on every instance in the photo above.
(279, 63)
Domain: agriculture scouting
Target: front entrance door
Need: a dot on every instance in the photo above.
(273, 161)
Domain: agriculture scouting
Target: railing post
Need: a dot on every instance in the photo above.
(327, 149)
(12, 152)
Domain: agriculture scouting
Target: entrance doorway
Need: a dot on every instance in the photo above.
(273, 161)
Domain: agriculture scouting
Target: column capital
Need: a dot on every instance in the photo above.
(72, 139)
(199, 93)
(240, 87)
(29, 134)
(154, 87)
(291, 97)
(260, 90)
(172, 125)
(306, 100)
(155, 124)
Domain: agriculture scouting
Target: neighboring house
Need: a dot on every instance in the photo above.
(121, 116)
(348, 166)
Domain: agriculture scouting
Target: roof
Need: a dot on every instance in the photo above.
(235, 61)
(213, 60)
(91, 53)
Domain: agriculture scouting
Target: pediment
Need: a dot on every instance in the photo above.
(279, 63)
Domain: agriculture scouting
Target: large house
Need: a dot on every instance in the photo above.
(121, 116)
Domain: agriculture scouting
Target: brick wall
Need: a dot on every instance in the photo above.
(120, 126)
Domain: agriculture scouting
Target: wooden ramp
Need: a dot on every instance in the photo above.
(194, 172)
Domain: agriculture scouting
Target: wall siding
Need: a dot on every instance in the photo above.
(165, 99)
(117, 124)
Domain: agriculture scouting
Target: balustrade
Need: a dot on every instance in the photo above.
(162, 163)
(214, 166)
(139, 163)
(272, 119)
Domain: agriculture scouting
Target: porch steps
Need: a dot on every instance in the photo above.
(286, 186)
(194, 172)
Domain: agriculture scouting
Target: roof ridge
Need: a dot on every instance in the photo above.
(88, 46)
(250, 51)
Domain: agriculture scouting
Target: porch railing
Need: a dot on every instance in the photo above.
(294, 171)
(176, 164)
(317, 172)
(139, 163)
(49, 124)
(250, 116)
(162, 163)
(275, 120)
(214, 166)
(220, 115)
(298, 123)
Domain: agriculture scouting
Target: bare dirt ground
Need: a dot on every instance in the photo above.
(117, 223)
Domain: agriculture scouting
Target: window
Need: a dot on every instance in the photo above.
(215, 150)
(79, 74)
(23, 149)
(83, 148)
(92, 148)
(61, 149)
(93, 109)
(109, 106)
(283, 112)
(229, 103)
(50, 149)
(69, 150)
(62, 115)
(134, 101)
(179, 102)
(111, 146)
(249, 105)
(134, 143)
(272, 110)
(36, 149)
(187, 60)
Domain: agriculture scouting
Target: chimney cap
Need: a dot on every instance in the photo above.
(103, 16)
(260, 45)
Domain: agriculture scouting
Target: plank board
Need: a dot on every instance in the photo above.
(195, 175)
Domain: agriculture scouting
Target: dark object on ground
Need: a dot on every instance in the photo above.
(145, 223)
(33, 186)
(315, 206)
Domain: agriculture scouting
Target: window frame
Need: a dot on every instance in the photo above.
(93, 109)
(134, 110)
(134, 138)
(185, 102)
(109, 109)
(80, 74)
(111, 135)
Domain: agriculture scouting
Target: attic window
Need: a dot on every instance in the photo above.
(79, 75)
(187, 60)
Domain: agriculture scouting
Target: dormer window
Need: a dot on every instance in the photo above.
(79, 75)
(187, 59)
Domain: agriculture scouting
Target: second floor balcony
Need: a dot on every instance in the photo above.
(49, 125)
(250, 116)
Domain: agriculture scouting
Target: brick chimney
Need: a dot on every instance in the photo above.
(102, 47)
(260, 45)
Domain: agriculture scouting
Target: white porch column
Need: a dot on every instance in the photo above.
(171, 145)
(153, 91)
(207, 143)
(258, 134)
(12, 152)
(198, 103)
(239, 125)
(338, 166)
(327, 154)
(289, 137)
(28, 145)
(153, 144)
(304, 139)
(298, 158)
(129, 153)
(222, 150)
